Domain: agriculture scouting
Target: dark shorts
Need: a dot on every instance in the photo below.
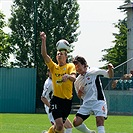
(84, 117)
(60, 108)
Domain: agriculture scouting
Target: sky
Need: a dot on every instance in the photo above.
(96, 19)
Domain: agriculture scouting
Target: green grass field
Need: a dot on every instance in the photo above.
(35, 123)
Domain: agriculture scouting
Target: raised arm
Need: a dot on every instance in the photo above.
(43, 48)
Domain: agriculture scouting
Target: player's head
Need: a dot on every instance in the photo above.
(61, 56)
(131, 71)
(80, 59)
(80, 64)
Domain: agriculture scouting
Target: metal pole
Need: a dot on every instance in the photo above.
(35, 32)
(123, 63)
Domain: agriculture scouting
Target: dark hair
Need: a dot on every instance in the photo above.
(81, 60)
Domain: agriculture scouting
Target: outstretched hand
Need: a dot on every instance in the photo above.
(110, 66)
(110, 70)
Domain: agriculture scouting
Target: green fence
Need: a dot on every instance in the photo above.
(119, 102)
(18, 93)
(17, 90)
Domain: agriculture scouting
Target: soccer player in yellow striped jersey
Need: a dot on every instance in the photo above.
(63, 76)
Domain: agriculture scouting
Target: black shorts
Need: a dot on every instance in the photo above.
(60, 108)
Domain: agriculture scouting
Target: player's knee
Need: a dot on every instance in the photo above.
(76, 123)
(59, 127)
(100, 121)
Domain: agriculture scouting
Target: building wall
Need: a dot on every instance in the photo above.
(129, 38)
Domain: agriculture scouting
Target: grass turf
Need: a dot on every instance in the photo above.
(36, 123)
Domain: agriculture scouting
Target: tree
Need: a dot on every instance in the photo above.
(57, 18)
(5, 48)
(118, 53)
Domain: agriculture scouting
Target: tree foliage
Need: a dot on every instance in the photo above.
(22, 36)
(5, 48)
(57, 18)
(118, 53)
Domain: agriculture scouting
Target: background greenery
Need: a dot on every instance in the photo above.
(59, 19)
(36, 123)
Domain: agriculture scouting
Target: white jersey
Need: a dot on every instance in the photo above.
(92, 85)
(47, 92)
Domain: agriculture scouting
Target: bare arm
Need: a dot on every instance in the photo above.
(43, 48)
(80, 92)
(110, 70)
(71, 77)
(45, 101)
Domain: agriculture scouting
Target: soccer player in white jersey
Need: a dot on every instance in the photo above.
(89, 88)
(46, 97)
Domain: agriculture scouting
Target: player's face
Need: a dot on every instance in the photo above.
(81, 69)
(61, 56)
